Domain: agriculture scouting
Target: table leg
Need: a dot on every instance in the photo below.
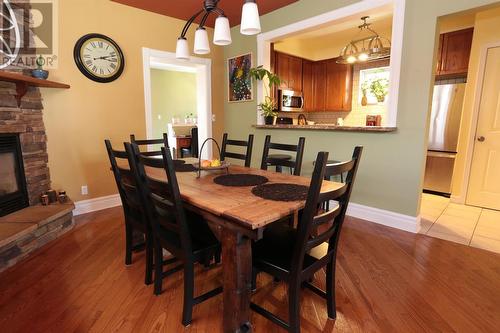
(237, 272)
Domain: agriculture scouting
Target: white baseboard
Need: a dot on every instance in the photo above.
(384, 217)
(370, 214)
(92, 205)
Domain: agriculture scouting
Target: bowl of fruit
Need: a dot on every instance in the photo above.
(212, 164)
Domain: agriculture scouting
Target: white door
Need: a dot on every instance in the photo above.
(484, 182)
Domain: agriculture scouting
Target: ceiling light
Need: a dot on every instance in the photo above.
(182, 50)
(250, 21)
(201, 45)
(222, 32)
(250, 25)
(378, 47)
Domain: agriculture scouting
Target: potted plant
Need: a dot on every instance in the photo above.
(364, 90)
(380, 88)
(268, 106)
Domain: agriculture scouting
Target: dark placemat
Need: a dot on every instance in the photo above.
(281, 192)
(179, 162)
(184, 168)
(240, 179)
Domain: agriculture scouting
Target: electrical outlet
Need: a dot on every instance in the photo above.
(213, 118)
(85, 190)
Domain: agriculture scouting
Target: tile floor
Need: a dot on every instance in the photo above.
(462, 224)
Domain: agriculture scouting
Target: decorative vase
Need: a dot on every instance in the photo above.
(40, 74)
(364, 101)
(380, 99)
(269, 120)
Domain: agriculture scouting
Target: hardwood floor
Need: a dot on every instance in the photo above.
(387, 281)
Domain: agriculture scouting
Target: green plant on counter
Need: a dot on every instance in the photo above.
(379, 88)
(267, 107)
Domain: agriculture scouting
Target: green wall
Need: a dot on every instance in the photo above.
(172, 94)
(392, 167)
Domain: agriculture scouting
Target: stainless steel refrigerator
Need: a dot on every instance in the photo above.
(447, 103)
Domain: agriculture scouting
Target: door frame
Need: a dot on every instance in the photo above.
(157, 59)
(475, 120)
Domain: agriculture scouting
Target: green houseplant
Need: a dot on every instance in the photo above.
(380, 88)
(268, 106)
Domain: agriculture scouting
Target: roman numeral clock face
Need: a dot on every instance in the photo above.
(99, 58)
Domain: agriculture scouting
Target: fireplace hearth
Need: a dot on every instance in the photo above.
(13, 193)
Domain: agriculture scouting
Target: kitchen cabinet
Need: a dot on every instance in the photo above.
(338, 86)
(454, 53)
(307, 85)
(319, 85)
(289, 69)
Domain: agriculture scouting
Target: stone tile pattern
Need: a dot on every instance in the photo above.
(36, 235)
(27, 120)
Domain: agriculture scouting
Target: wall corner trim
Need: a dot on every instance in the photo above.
(95, 204)
(384, 217)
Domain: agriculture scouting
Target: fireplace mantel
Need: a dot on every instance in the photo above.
(23, 82)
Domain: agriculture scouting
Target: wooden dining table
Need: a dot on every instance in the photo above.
(237, 217)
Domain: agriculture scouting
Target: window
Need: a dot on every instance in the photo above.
(374, 83)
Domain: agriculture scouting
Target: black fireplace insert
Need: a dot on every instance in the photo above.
(13, 192)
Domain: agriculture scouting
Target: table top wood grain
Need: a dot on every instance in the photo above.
(238, 204)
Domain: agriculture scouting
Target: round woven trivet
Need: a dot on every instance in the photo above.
(281, 192)
(240, 179)
(184, 168)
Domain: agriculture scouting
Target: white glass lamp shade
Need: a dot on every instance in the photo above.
(201, 45)
(222, 32)
(182, 50)
(250, 20)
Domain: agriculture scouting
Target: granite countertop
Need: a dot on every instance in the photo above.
(330, 127)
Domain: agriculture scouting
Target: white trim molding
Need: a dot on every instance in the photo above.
(369, 214)
(95, 204)
(202, 67)
(384, 217)
(264, 41)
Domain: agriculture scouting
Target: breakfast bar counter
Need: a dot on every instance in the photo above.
(330, 127)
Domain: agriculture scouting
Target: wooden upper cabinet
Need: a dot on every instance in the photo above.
(338, 86)
(319, 85)
(289, 69)
(307, 85)
(454, 52)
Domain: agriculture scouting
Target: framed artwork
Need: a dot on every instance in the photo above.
(239, 80)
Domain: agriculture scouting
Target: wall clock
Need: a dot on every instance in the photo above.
(99, 58)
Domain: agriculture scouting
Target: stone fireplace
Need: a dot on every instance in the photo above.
(13, 193)
(25, 225)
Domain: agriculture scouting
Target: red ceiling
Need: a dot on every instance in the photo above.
(184, 9)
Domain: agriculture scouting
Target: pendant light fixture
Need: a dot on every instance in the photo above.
(250, 25)
(368, 48)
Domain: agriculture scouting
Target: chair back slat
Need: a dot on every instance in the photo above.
(149, 142)
(311, 231)
(126, 184)
(247, 157)
(297, 149)
(162, 201)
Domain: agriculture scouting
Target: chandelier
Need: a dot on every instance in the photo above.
(370, 47)
(250, 25)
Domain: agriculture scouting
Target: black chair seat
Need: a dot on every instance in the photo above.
(275, 250)
(202, 237)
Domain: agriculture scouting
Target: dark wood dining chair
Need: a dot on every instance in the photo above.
(148, 142)
(193, 150)
(247, 157)
(135, 221)
(294, 255)
(184, 234)
(278, 160)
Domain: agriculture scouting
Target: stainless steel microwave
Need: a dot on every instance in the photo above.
(291, 101)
